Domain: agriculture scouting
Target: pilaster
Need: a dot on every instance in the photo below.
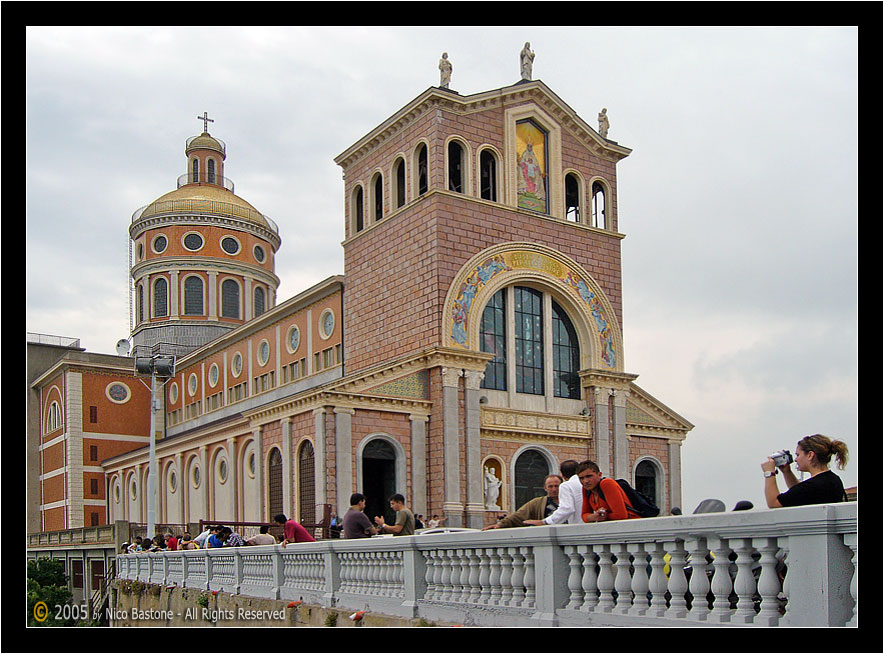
(452, 506)
(343, 457)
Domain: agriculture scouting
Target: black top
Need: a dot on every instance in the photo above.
(819, 489)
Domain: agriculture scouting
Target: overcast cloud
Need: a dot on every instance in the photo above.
(739, 201)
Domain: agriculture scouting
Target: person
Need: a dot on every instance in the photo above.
(356, 523)
(187, 543)
(603, 499)
(444, 71)
(203, 536)
(147, 545)
(419, 521)
(536, 509)
(812, 455)
(292, 531)
(404, 525)
(435, 521)
(263, 537)
(171, 541)
(135, 545)
(230, 538)
(570, 498)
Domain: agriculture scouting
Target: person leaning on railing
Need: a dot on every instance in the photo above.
(812, 454)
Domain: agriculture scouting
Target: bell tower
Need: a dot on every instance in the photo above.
(203, 258)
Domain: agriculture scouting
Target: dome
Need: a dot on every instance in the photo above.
(205, 141)
(207, 199)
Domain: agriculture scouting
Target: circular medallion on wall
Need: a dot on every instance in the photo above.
(173, 481)
(213, 375)
(326, 324)
(222, 470)
(192, 384)
(195, 476)
(118, 392)
(236, 365)
(293, 339)
(263, 352)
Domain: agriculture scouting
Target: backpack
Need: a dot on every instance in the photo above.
(637, 502)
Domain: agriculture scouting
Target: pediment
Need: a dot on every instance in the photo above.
(647, 414)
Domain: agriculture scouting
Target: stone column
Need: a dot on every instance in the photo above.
(343, 457)
(419, 463)
(674, 477)
(321, 454)
(213, 295)
(287, 474)
(182, 484)
(452, 507)
(602, 438)
(257, 432)
(233, 479)
(475, 488)
(173, 295)
(206, 479)
(621, 441)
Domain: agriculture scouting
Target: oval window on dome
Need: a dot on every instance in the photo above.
(259, 254)
(230, 245)
(193, 241)
(159, 244)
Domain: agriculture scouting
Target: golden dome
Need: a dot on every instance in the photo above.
(206, 199)
(205, 141)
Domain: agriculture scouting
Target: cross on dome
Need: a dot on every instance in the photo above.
(206, 120)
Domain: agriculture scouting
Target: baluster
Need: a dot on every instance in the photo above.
(605, 579)
(783, 565)
(744, 584)
(574, 577)
(484, 576)
(530, 592)
(622, 581)
(494, 579)
(699, 585)
(850, 540)
(429, 574)
(721, 581)
(475, 590)
(518, 577)
(446, 576)
(678, 584)
(506, 577)
(768, 583)
(589, 580)
(458, 580)
(658, 582)
(640, 583)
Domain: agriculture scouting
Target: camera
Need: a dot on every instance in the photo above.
(782, 458)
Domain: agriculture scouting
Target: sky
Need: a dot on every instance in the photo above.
(738, 202)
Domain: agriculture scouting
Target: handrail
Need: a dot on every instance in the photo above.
(204, 206)
(209, 179)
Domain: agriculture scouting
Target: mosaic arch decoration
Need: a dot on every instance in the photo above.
(478, 276)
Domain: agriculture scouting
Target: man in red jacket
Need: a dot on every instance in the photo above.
(603, 499)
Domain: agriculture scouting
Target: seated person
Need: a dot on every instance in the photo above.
(533, 510)
(812, 454)
(603, 498)
(263, 537)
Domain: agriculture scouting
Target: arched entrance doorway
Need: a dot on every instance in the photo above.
(306, 483)
(379, 479)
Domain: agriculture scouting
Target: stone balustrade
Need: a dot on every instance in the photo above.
(719, 569)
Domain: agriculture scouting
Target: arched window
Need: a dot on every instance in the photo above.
(422, 170)
(229, 299)
(193, 296)
(646, 480)
(399, 168)
(599, 207)
(566, 355)
(140, 302)
(359, 218)
(210, 165)
(306, 483)
(455, 167)
(528, 311)
(572, 198)
(161, 298)
(274, 483)
(196, 171)
(488, 175)
(493, 340)
(53, 420)
(259, 301)
(530, 471)
(378, 198)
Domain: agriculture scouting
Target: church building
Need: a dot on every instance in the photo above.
(473, 342)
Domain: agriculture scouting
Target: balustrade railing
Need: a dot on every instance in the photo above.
(783, 567)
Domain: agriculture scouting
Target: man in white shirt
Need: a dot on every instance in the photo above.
(570, 499)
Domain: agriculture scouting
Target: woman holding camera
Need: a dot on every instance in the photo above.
(812, 454)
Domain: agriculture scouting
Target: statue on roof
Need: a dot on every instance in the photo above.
(604, 123)
(444, 71)
(526, 58)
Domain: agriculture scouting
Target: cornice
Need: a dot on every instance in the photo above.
(157, 221)
(164, 265)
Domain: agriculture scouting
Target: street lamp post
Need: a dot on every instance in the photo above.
(156, 366)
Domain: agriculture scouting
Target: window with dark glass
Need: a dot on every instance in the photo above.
(229, 245)
(528, 317)
(140, 302)
(357, 201)
(488, 175)
(493, 339)
(259, 301)
(566, 355)
(193, 241)
(159, 244)
(229, 299)
(422, 170)
(400, 183)
(572, 198)
(196, 171)
(599, 217)
(646, 479)
(193, 296)
(378, 198)
(530, 472)
(210, 165)
(455, 167)
(161, 298)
